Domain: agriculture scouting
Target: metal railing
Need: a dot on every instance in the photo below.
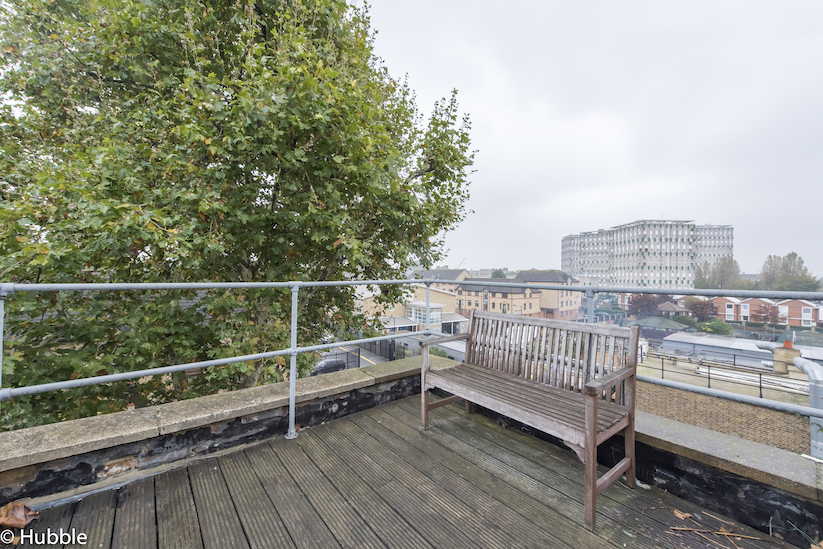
(293, 350)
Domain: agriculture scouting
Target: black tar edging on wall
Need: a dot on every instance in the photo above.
(739, 498)
(86, 469)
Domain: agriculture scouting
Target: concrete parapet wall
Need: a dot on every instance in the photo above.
(770, 427)
(104, 450)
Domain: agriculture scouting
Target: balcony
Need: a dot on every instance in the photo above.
(340, 460)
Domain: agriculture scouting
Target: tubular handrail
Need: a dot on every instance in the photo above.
(293, 350)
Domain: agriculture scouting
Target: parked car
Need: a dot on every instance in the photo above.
(328, 365)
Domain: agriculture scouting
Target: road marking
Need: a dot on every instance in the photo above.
(361, 356)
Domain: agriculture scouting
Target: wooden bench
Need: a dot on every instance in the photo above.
(571, 380)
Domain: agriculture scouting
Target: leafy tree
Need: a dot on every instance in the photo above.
(788, 273)
(723, 273)
(645, 305)
(683, 319)
(716, 326)
(203, 141)
(767, 314)
(702, 310)
(498, 273)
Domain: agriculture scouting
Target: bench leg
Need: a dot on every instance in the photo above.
(590, 485)
(424, 408)
(590, 463)
(468, 405)
(628, 437)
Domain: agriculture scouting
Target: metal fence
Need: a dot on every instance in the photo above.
(294, 286)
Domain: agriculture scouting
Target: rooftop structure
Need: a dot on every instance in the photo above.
(646, 253)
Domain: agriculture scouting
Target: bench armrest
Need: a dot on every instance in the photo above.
(427, 342)
(600, 384)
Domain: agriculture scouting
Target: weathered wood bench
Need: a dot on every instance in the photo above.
(571, 380)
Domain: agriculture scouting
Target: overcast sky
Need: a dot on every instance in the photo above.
(588, 115)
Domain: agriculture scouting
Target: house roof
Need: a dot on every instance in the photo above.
(422, 305)
(729, 299)
(476, 285)
(452, 317)
(397, 321)
(809, 303)
(439, 274)
(671, 308)
(659, 322)
(438, 290)
(546, 277)
(763, 299)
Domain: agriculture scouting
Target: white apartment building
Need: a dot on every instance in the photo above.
(646, 253)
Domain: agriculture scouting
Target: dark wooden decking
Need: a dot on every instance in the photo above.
(375, 480)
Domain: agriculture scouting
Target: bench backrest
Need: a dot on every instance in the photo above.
(558, 353)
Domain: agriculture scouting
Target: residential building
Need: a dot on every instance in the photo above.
(559, 304)
(474, 294)
(791, 312)
(646, 253)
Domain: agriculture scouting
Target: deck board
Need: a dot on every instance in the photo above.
(343, 521)
(177, 524)
(135, 525)
(375, 479)
(54, 519)
(260, 520)
(219, 524)
(393, 530)
(94, 516)
(304, 524)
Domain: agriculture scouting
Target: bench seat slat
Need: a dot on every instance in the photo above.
(565, 406)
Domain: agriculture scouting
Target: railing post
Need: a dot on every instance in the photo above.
(710, 376)
(295, 287)
(2, 332)
(5, 289)
(590, 305)
(761, 384)
(428, 305)
(662, 367)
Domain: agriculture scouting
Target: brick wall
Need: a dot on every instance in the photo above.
(772, 427)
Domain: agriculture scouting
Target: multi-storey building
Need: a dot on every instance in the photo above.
(646, 253)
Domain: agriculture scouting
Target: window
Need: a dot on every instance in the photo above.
(729, 311)
(493, 304)
(477, 304)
